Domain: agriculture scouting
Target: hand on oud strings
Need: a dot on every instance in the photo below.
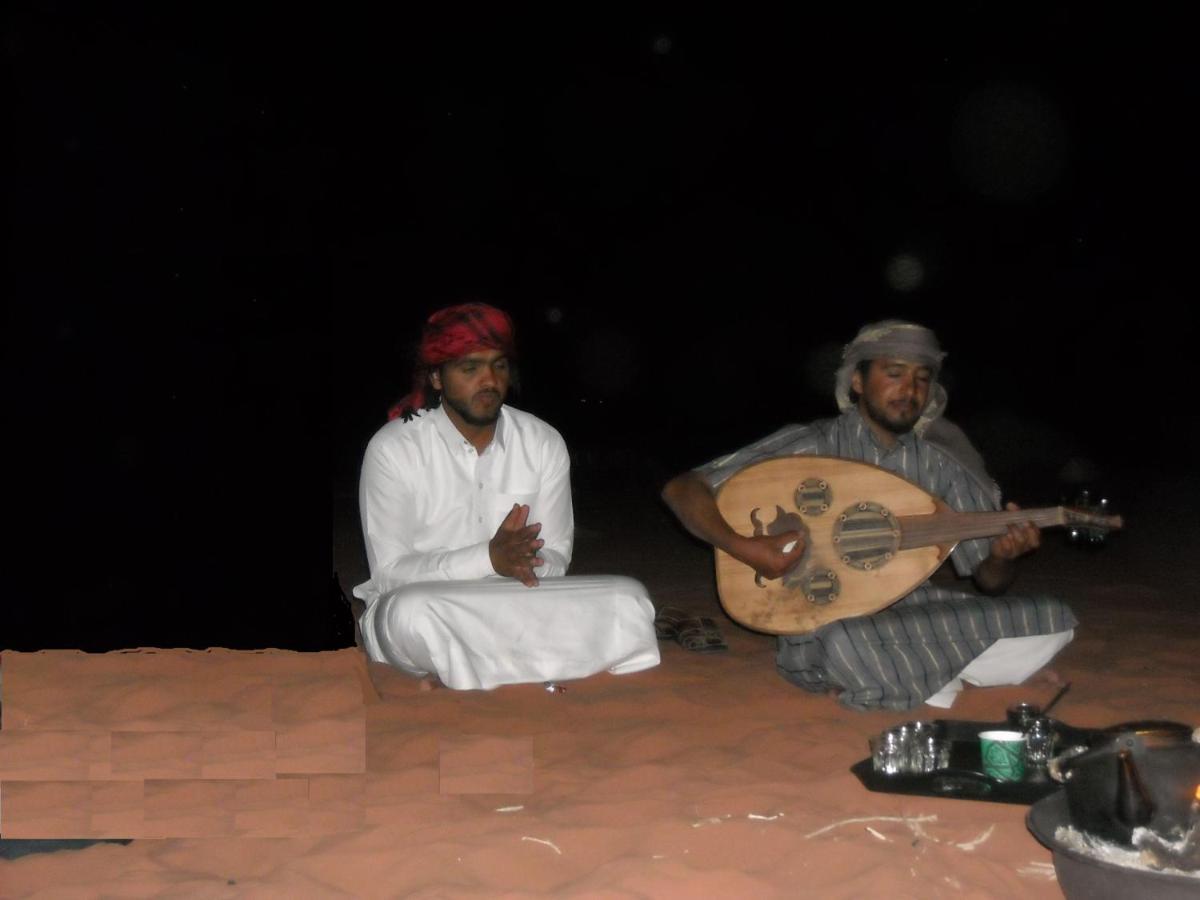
(765, 553)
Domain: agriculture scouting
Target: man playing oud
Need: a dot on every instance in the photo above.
(922, 647)
(468, 523)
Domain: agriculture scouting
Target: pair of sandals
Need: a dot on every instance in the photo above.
(696, 633)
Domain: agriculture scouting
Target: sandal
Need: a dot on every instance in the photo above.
(700, 635)
(667, 621)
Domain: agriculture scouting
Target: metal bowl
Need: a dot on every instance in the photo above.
(1082, 877)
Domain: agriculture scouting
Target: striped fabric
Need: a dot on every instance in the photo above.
(900, 656)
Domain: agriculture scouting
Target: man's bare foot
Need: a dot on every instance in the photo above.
(1045, 678)
(429, 683)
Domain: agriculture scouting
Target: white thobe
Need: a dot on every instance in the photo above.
(430, 504)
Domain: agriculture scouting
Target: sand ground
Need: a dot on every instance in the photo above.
(708, 776)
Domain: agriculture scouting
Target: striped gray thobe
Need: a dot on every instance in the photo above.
(900, 656)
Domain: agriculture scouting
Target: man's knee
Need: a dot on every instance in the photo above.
(625, 586)
(403, 620)
(632, 592)
(403, 610)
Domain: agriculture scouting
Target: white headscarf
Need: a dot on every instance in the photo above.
(894, 339)
(912, 343)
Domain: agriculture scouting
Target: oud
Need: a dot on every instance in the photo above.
(871, 537)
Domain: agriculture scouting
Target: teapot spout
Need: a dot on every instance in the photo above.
(1134, 808)
(1059, 767)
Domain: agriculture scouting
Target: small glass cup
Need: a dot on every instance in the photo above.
(1039, 742)
(921, 728)
(889, 752)
(1021, 714)
(929, 753)
(914, 733)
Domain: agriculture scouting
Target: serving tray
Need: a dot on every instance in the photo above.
(964, 778)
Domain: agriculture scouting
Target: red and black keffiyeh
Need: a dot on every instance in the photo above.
(450, 333)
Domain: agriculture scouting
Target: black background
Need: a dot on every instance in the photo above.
(226, 229)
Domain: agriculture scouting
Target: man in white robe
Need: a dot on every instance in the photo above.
(467, 517)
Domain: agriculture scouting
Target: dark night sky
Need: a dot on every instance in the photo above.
(225, 231)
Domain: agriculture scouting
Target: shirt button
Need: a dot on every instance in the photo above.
(481, 485)
(481, 518)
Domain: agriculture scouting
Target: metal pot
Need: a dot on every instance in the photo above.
(1144, 774)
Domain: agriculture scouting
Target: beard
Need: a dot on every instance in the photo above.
(480, 418)
(898, 420)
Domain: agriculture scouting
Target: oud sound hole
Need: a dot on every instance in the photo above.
(813, 496)
(821, 588)
(867, 536)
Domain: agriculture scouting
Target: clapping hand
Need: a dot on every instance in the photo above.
(514, 548)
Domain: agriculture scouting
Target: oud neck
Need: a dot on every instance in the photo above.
(949, 527)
